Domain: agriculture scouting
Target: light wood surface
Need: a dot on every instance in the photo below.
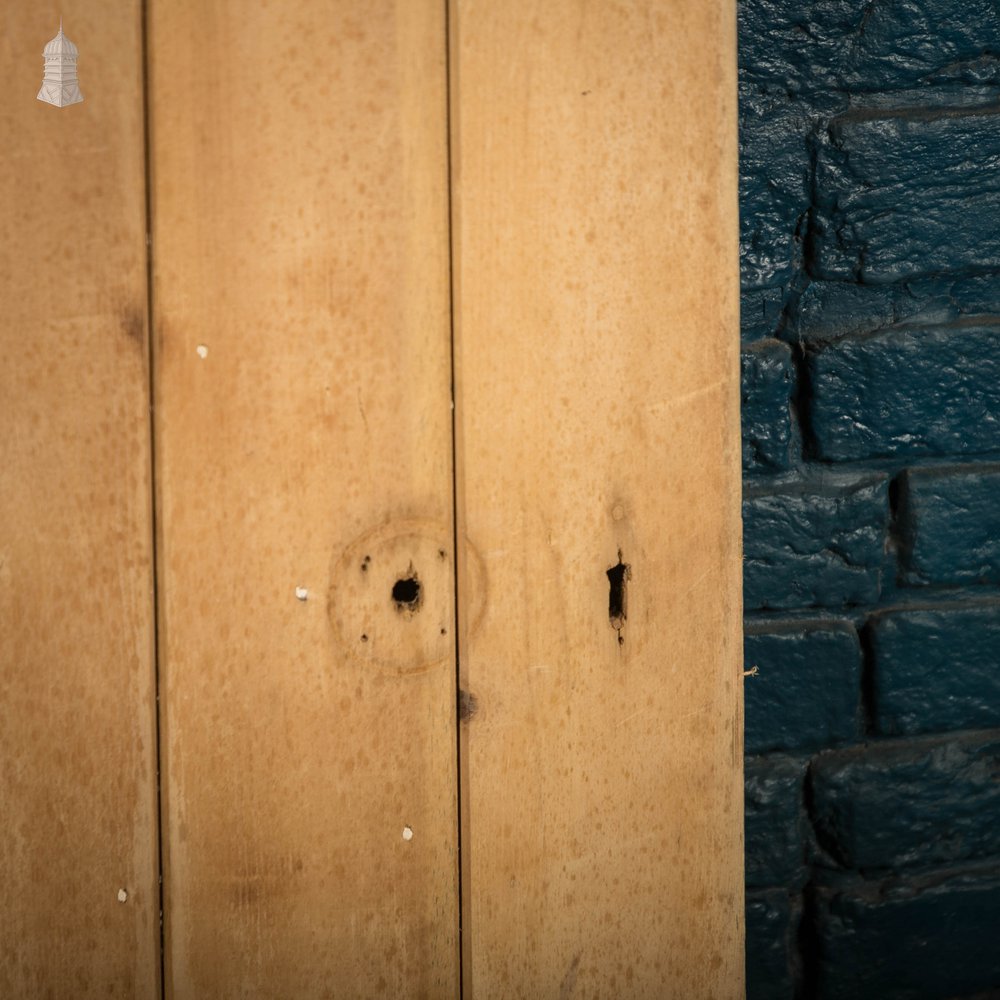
(597, 372)
(77, 726)
(303, 423)
(306, 544)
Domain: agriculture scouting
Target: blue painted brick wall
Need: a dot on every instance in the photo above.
(776, 829)
(870, 254)
(903, 192)
(807, 692)
(950, 525)
(906, 391)
(817, 543)
(773, 917)
(905, 803)
(924, 936)
(936, 669)
(767, 377)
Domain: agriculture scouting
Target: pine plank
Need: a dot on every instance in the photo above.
(77, 721)
(303, 428)
(597, 371)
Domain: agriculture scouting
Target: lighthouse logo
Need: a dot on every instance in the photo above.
(60, 86)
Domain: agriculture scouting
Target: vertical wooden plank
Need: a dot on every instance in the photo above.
(301, 310)
(77, 725)
(598, 379)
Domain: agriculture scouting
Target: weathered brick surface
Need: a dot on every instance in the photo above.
(909, 802)
(775, 822)
(774, 175)
(827, 310)
(870, 194)
(936, 669)
(950, 522)
(908, 193)
(806, 694)
(772, 918)
(921, 939)
(857, 46)
(907, 391)
(761, 311)
(819, 545)
(768, 379)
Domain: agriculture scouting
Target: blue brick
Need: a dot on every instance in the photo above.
(772, 918)
(761, 313)
(907, 391)
(950, 524)
(828, 310)
(774, 821)
(774, 186)
(929, 938)
(937, 669)
(909, 802)
(806, 695)
(819, 545)
(767, 383)
(870, 145)
(856, 45)
(904, 194)
(792, 48)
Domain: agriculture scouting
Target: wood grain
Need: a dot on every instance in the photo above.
(301, 309)
(597, 370)
(77, 726)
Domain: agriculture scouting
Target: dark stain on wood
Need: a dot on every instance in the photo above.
(133, 324)
(468, 705)
(569, 980)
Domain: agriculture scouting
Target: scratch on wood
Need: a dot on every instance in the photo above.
(695, 583)
(667, 404)
(709, 706)
(629, 718)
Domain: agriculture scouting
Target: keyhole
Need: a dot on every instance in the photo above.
(617, 593)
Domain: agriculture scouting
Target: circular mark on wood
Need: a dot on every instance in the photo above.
(391, 599)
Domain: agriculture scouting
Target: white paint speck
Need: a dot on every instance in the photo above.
(302, 593)
(122, 895)
(202, 351)
(407, 833)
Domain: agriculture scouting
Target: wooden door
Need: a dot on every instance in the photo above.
(443, 455)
